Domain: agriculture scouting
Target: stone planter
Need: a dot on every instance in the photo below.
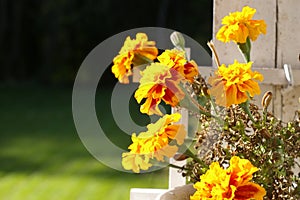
(179, 193)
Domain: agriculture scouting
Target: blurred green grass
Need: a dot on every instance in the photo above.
(41, 156)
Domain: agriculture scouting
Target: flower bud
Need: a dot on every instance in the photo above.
(180, 157)
(265, 133)
(178, 40)
(266, 100)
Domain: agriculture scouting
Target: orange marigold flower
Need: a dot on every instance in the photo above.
(230, 184)
(175, 59)
(239, 25)
(232, 84)
(154, 143)
(158, 82)
(134, 52)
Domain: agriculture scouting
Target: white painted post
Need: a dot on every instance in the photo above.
(175, 178)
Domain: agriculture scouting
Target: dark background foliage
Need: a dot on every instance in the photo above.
(42, 44)
(46, 41)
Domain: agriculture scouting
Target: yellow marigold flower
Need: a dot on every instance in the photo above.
(158, 82)
(230, 85)
(239, 25)
(131, 54)
(175, 59)
(230, 184)
(154, 143)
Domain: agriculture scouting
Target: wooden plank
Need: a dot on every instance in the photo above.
(290, 102)
(271, 76)
(288, 44)
(277, 102)
(288, 33)
(263, 49)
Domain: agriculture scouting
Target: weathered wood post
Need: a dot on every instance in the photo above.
(281, 45)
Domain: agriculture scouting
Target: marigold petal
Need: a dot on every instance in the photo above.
(142, 92)
(172, 58)
(135, 162)
(150, 107)
(122, 67)
(190, 71)
(258, 76)
(250, 191)
(221, 34)
(248, 12)
(168, 151)
(231, 95)
(241, 170)
(241, 34)
(176, 132)
(173, 95)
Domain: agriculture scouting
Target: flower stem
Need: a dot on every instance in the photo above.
(176, 166)
(245, 48)
(265, 113)
(142, 59)
(189, 153)
(246, 108)
(191, 104)
(213, 50)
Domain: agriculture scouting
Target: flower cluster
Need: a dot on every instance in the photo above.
(230, 131)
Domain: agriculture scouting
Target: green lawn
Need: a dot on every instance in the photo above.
(41, 156)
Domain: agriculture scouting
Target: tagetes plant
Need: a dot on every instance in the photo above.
(232, 183)
(230, 131)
